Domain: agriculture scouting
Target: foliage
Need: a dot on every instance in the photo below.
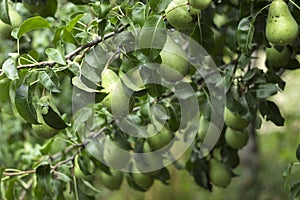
(62, 63)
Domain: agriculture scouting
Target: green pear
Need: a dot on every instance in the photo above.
(174, 64)
(281, 28)
(143, 181)
(236, 139)
(113, 155)
(42, 130)
(234, 120)
(161, 139)
(180, 15)
(200, 4)
(112, 181)
(117, 100)
(278, 56)
(219, 174)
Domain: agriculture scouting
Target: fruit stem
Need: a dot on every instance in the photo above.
(259, 12)
(294, 4)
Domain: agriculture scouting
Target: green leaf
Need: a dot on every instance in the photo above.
(10, 192)
(74, 21)
(245, 32)
(63, 177)
(49, 80)
(29, 58)
(24, 104)
(32, 23)
(266, 90)
(52, 118)
(159, 6)
(2, 169)
(42, 189)
(4, 14)
(294, 191)
(10, 69)
(5, 86)
(57, 55)
(286, 175)
(45, 149)
(81, 117)
(270, 111)
(153, 36)
(139, 13)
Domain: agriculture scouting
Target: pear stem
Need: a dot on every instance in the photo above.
(294, 4)
(258, 13)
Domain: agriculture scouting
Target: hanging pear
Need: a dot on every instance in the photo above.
(174, 61)
(281, 28)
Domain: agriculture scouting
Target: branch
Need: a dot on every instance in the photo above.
(73, 53)
(19, 173)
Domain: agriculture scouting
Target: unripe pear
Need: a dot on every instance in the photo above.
(234, 120)
(174, 64)
(112, 181)
(200, 4)
(219, 174)
(278, 56)
(281, 28)
(180, 15)
(236, 139)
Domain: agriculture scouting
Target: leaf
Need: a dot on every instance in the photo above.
(286, 175)
(32, 23)
(294, 191)
(2, 169)
(10, 69)
(245, 32)
(153, 36)
(4, 14)
(42, 189)
(4, 94)
(81, 117)
(75, 18)
(266, 90)
(159, 6)
(57, 55)
(9, 193)
(24, 104)
(45, 149)
(139, 13)
(48, 80)
(270, 111)
(63, 177)
(52, 118)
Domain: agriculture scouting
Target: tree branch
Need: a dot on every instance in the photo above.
(73, 53)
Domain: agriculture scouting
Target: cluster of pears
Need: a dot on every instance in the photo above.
(281, 30)
(236, 137)
(182, 14)
(142, 176)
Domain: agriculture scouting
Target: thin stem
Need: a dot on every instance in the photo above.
(294, 4)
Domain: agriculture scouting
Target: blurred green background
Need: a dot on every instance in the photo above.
(264, 181)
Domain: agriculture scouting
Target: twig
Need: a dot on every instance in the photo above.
(73, 53)
(32, 171)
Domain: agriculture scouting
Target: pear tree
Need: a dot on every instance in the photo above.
(101, 95)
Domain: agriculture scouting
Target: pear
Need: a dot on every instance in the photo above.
(281, 28)
(180, 15)
(117, 100)
(278, 56)
(112, 181)
(161, 139)
(174, 64)
(219, 174)
(200, 4)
